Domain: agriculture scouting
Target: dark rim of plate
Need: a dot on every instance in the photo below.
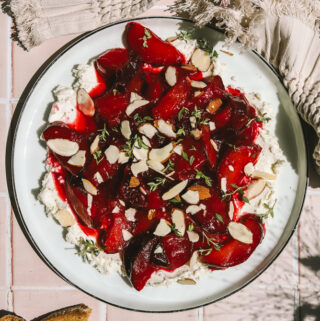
(11, 139)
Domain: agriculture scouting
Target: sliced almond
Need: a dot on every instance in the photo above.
(203, 191)
(214, 105)
(264, 175)
(165, 128)
(130, 214)
(171, 75)
(122, 203)
(139, 167)
(161, 154)
(194, 259)
(146, 141)
(123, 158)
(65, 218)
(140, 153)
(95, 145)
(135, 105)
(116, 210)
(196, 133)
(134, 182)
(193, 122)
(214, 145)
(162, 228)
(112, 154)
(224, 184)
(178, 149)
(177, 217)
(231, 168)
(151, 214)
(231, 210)
(125, 129)
(197, 93)
(97, 176)
(193, 209)
(85, 103)
(191, 197)
(89, 202)
(126, 235)
(255, 189)
(187, 281)
(155, 165)
(134, 96)
(212, 126)
(193, 236)
(147, 130)
(248, 169)
(63, 147)
(201, 59)
(158, 250)
(89, 187)
(189, 67)
(198, 84)
(240, 232)
(78, 159)
(170, 39)
(175, 190)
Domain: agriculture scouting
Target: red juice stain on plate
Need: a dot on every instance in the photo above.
(100, 88)
(58, 175)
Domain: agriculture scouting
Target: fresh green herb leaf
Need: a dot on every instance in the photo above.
(158, 181)
(184, 35)
(234, 147)
(103, 133)
(182, 111)
(219, 218)
(191, 160)
(196, 113)
(87, 248)
(115, 129)
(190, 227)
(237, 189)
(169, 167)
(140, 143)
(269, 212)
(147, 35)
(211, 241)
(215, 54)
(192, 147)
(175, 201)
(207, 179)
(97, 155)
(185, 156)
(205, 252)
(140, 120)
(175, 230)
(261, 118)
(181, 131)
(205, 121)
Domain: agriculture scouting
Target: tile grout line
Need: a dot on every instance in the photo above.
(103, 311)
(9, 221)
(296, 269)
(200, 314)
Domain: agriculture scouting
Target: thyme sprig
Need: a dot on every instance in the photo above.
(187, 158)
(175, 230)
(269, 212)
(210, 242)
(86, 247)
(206, 178)
(261, 118)
(237, 189)
(182, 111)
(184, 35)
(169, 167)
(157, 182)
(103, 133)
(97, 155)
(140, 120)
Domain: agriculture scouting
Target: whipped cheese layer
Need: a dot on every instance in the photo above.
(268, 165)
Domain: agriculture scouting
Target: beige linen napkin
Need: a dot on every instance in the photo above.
(285, 32)
(38, 20)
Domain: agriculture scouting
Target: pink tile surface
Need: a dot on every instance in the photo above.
(254, 305)
(309, 230)
(28, 268)
(3, 138)
(3, 242)
(29, 62)
(3, 55)
(3, 300)
(124, 315)
(33, 303)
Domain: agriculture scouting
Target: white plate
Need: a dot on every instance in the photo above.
(25, 157)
